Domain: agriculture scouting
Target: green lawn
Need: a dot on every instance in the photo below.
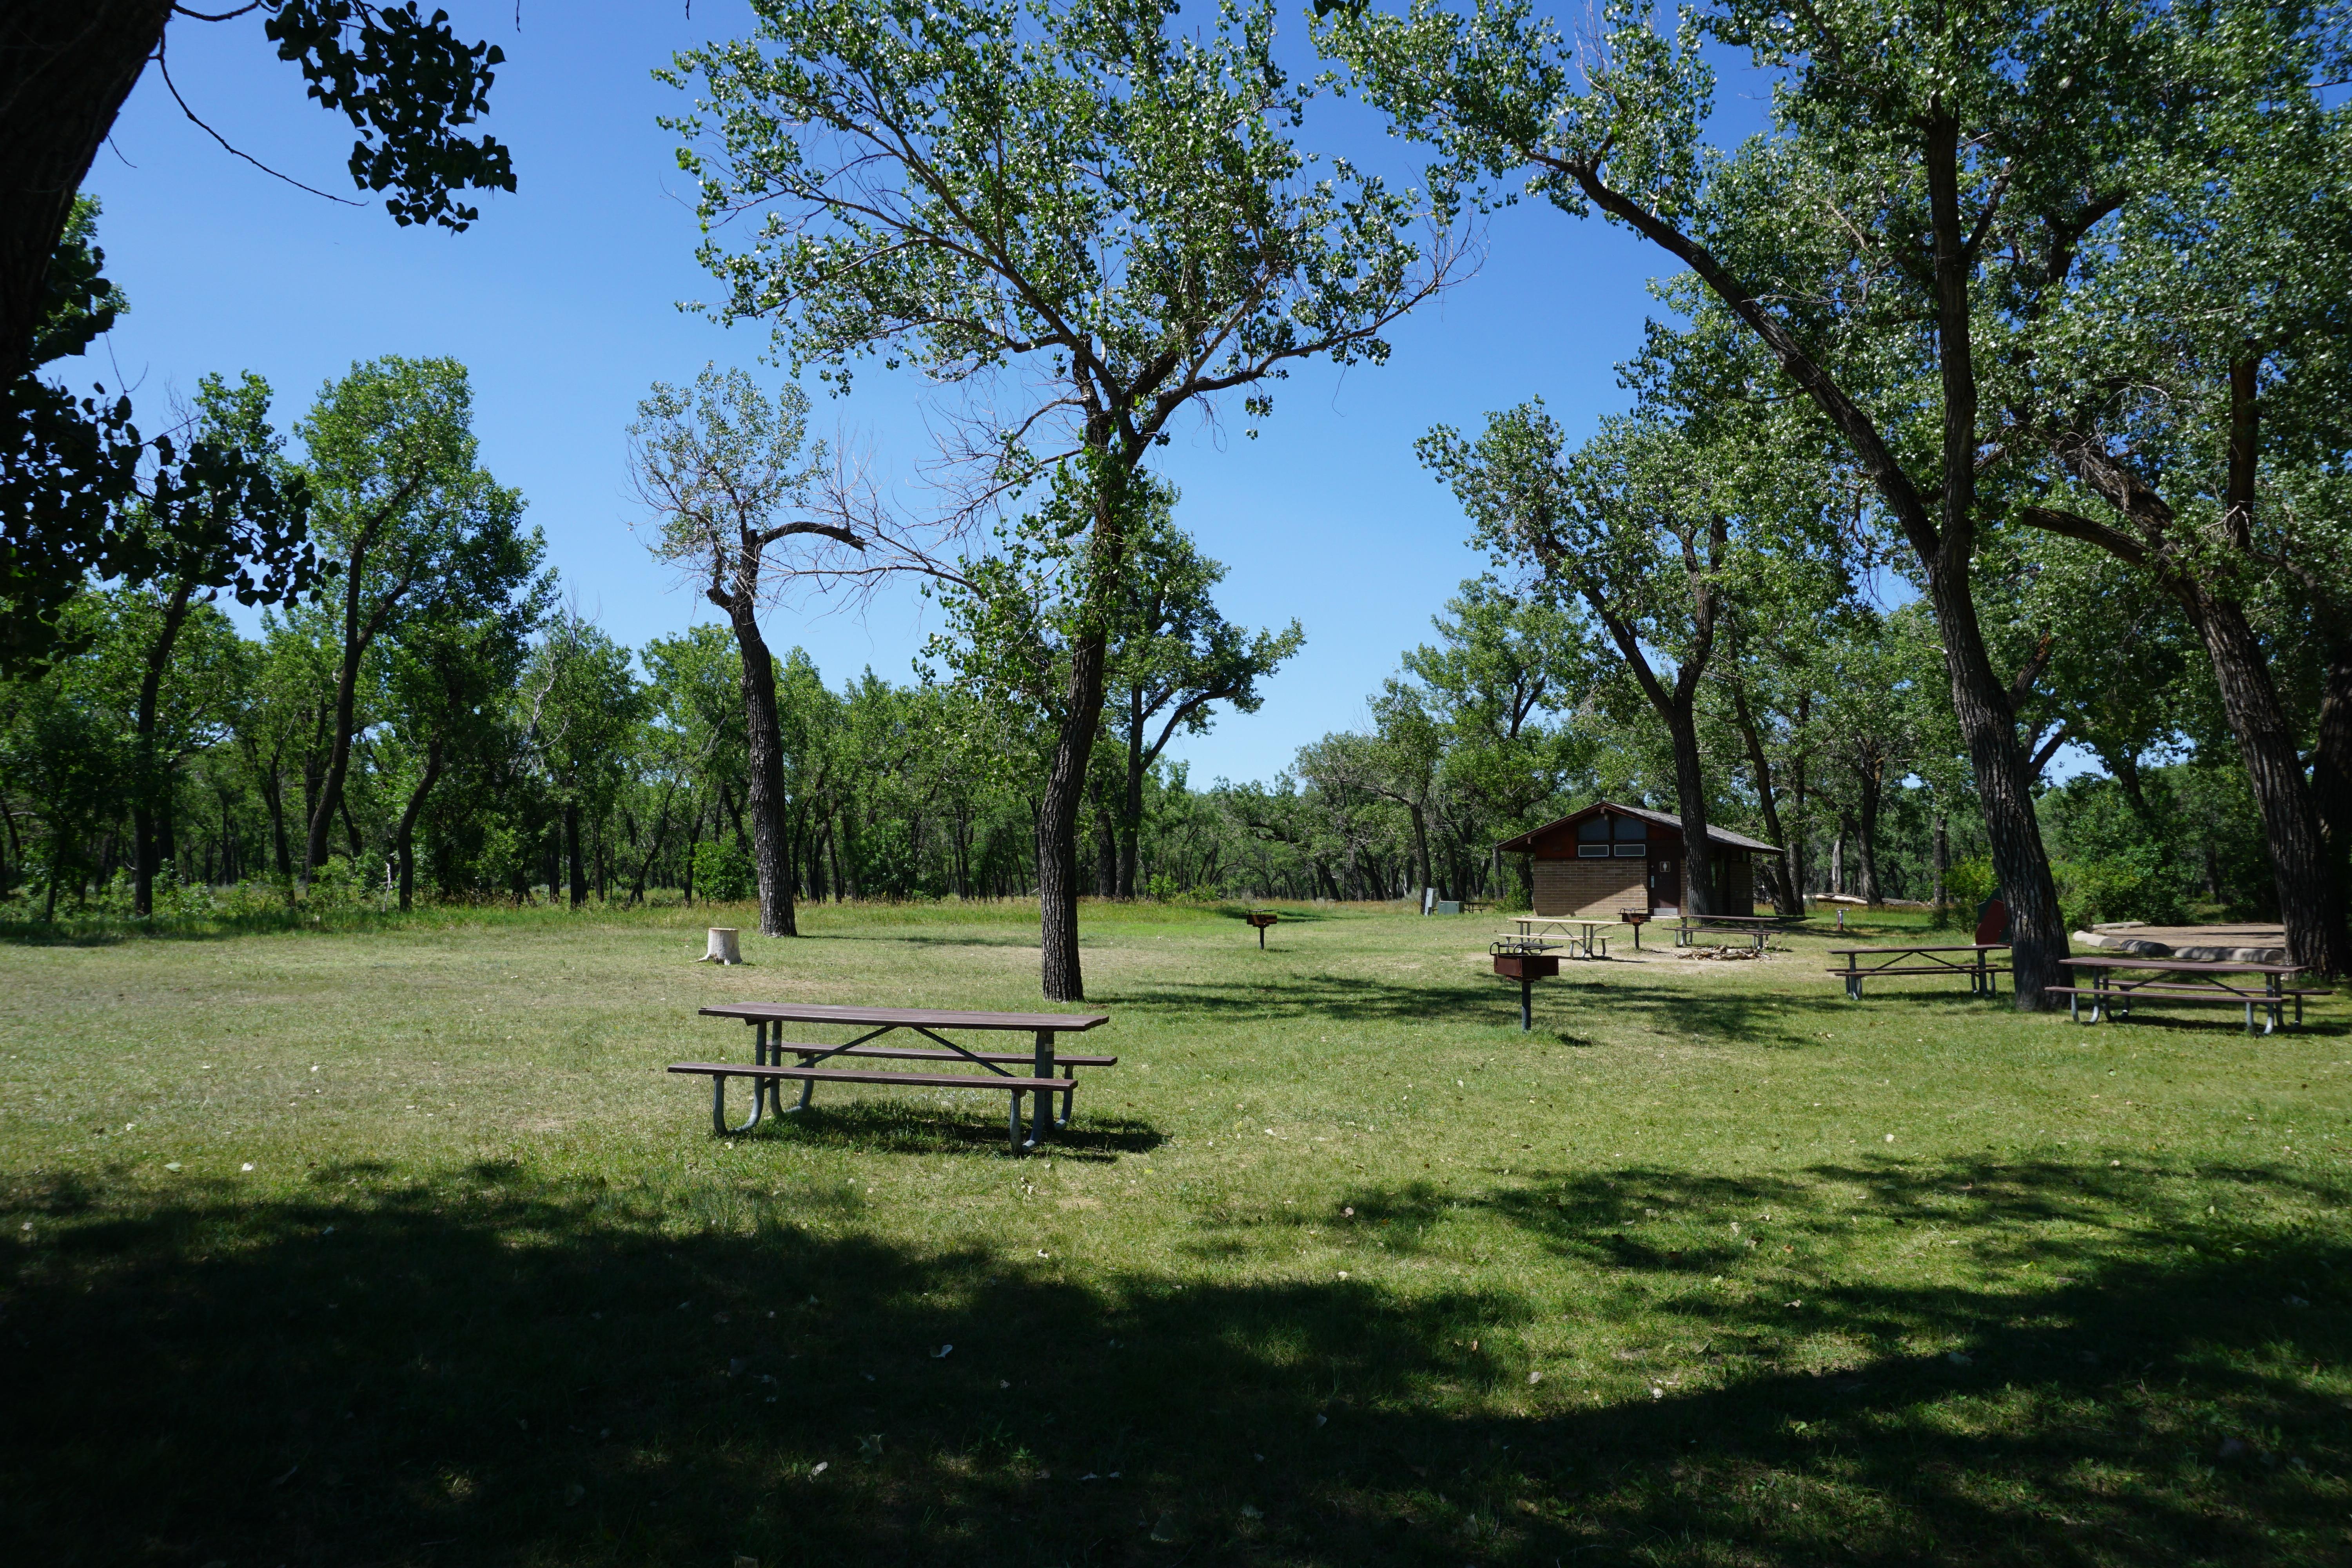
(395, 1245)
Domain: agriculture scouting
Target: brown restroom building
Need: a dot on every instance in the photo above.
(1593, 863)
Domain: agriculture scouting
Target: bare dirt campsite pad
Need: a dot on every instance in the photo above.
(396, 1246)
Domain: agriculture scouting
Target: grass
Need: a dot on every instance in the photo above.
(394, 1245)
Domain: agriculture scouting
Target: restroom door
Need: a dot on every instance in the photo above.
(1666, 888)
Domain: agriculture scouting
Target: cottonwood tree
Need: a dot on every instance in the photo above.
(1172, 658)
(1931, 176)
(403, 80)
(581, 702)
(1865, 725)
(410, 522)
(2197, 359)
(729, 475)
(203, 507)
(1648, 528)
(231, 515)
(1504, 663)
(75, 471)
(1768, 686)
(448, 672)
(1084, 207)
(695, 731)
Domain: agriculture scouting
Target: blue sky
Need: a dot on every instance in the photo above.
(562, 300)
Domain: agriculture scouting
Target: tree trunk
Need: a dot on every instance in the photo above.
(1800, 873)
(1866, 841)
(1943, 843)
(2315, 933)
(339, 751)
(65, 70)
(1420, 871)
(1130, 825)
(1106, 851)
(1057, 821)
(1690, 801)
(572, 861)
(1777, 868)
(146, 786)
(2125, 766)
(57, 862)
(2037, 929)
(1837, 856)
(763, 735)
(2331, 774)
(273, 795)
(404, 838)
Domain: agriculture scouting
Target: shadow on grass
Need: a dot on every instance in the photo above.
(970, 938)
(1285, 915)
(1767, 1019)
(485, 1369)
(869, 1126)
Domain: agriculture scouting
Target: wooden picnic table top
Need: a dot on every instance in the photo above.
(912, 1017)
(2182, 965)
(1557, 921)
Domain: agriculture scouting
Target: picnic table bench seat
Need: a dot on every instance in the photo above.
(1926, 959)
(808, 1077)
(2104, 999)
(1753, 930)
(931, 1053)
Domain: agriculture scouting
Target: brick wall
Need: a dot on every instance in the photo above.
(1590, 889)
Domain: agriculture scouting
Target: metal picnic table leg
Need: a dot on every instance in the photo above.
(1041, 1104)
(719, 1108)
(773, 1055)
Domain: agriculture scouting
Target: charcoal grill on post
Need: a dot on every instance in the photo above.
(1526, 960)
(1260, 918)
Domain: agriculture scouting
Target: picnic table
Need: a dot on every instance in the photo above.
(1571, 933)
(1983, 976)
(1050, 1073)
(1755, 928)
(2112, 991)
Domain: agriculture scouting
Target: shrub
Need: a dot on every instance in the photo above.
(1967, 884)
(723, 873)
(2134, 884)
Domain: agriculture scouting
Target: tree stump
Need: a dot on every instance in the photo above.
(723, 947)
